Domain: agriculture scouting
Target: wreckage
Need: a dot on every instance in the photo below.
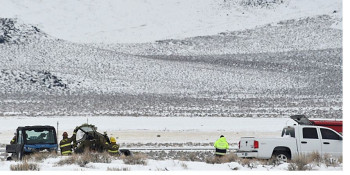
(89, 139)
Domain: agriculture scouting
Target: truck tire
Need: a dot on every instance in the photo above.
(282, 156)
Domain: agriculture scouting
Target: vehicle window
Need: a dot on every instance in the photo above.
(80, 136)
(310, 133)
(288, 132)
(41, 136)
(20, 138)
(86, 129)
(329, 134)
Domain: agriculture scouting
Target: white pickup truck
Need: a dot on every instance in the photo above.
(300, 138)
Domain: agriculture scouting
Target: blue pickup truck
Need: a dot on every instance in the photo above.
(31, 139)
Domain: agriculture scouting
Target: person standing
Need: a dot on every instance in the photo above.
(221, 146)
(113, 148)
(65, 143)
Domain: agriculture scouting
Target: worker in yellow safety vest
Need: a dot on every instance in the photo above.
(221, 146)
(65, 143)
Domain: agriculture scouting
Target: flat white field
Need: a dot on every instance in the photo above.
(156, 129)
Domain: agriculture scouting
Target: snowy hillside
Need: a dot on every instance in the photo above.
(310, 33)
(281, 64)
(13, 31)
(120, 21)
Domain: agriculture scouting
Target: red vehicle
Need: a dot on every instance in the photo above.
(336, 125)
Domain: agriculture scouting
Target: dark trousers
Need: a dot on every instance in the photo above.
(220, 152)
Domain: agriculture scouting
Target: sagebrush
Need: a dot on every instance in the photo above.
(25, 166)
(136, 159)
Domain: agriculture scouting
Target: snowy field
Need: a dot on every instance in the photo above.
(146, 129)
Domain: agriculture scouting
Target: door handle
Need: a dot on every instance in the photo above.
(327, 143)
(303, 142)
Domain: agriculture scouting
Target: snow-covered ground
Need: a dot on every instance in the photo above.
(145, 129)
(160, 165)
(120, 21)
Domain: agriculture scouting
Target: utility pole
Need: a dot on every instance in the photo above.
(57, 132)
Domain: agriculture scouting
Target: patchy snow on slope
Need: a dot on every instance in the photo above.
(119, 21)
(14, 31)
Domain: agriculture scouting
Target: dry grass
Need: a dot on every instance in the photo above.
(250, 163)
(331, 161)
(85, 158)
(68, 161)
(39, 157)
(315, 157)
(272, 161)
(136, 159)
(25, 166)
(300, 163)
(231, 157)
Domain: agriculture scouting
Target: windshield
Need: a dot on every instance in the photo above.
(81, 133)
(86, 128)
(40, 136)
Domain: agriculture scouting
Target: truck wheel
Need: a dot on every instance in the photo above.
(282, 156)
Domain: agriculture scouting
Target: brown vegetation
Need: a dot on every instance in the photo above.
(136, 159)
(85, 158)
(25, 166)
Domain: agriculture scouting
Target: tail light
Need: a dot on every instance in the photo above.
(256, 144)
(239, 145)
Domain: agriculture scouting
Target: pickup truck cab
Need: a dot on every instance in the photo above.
(294, 140)
(31, 139)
